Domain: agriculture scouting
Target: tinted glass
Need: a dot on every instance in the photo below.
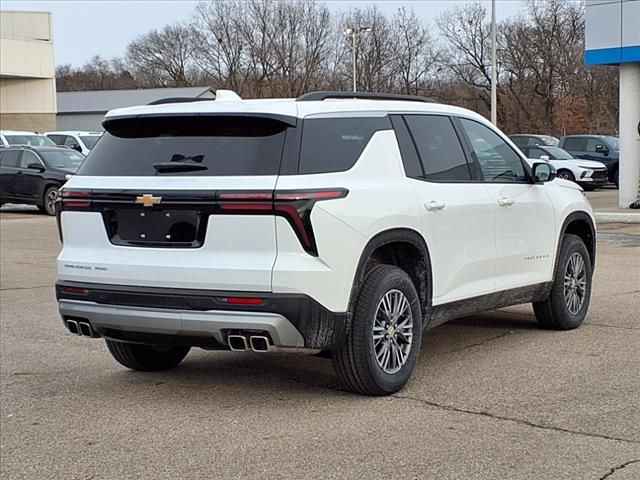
(536, 153)
(520, 140)
(614, 143)
(64, 160)
(224, 146)
(29, 157)
(9, 158)
(335, 144)
(438, 147)
(498, 162)
(57, 139)
(575, 144)
(89, 140)
(69, 141)
(33, 140)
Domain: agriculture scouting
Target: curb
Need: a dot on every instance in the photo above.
(615, 217)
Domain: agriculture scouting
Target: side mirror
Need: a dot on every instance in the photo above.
(600, 148)
(76, 147)
(543, 172)
(544, 157)
(35, 166)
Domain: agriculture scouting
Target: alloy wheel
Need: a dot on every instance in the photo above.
(575, 283)
(392, 331)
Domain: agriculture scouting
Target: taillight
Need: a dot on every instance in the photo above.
(74, 200)
(293, 205)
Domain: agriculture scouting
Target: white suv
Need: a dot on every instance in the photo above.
(346, 223)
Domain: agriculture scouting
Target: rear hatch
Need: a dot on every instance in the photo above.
(175, 201)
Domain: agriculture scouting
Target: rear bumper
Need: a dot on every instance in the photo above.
(148, 313)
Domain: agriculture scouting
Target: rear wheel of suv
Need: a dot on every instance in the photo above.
(567, 305)
(146, 358)
(383, 343)
(49, 196)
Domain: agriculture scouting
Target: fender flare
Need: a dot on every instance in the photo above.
(572, 217)
(405, 235)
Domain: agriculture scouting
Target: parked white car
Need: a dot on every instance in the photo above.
(589, 174)
(17, 137)
(342, 222)
(83, 142)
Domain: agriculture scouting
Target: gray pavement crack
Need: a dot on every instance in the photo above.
(622, 327)
(616, 294)
(25, 288)
(619, 467)
(519, 421)
(490, 339)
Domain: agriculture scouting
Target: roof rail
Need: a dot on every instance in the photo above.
(162, 101)
(317, 96)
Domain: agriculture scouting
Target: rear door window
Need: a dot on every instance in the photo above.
(575, 144)
(335, 144)
(203, 145)
(439, 148)
(10, 158)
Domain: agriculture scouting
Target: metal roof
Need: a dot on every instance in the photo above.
(101, 101)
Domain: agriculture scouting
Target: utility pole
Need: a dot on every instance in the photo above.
(353, 33)
(494, 63)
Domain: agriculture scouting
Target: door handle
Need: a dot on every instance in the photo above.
(506, 202)
(433, 206)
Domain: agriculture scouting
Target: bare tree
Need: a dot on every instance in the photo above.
(163, 57)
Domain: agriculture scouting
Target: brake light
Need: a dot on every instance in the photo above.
(75, 200)
(293, 205)
(75, 291)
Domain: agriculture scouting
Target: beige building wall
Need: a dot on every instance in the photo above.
(27, 71)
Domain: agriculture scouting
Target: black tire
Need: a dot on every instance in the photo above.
(355, 362)
(48, 196)
(146, 358)
(567, 175)
(555, 313)
(616, 178)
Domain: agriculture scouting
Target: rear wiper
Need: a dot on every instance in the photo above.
(178, 167)
(181, 158)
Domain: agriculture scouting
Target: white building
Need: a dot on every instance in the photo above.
(27, 72)
(613, 38)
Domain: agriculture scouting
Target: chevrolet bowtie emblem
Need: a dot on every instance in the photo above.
(148, 200)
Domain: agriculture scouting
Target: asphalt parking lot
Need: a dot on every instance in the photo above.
(493, 396)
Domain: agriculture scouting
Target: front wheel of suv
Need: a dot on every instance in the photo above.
(383, 343)
(146, 358)
(567, 305)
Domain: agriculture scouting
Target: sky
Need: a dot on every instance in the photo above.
(84, 28)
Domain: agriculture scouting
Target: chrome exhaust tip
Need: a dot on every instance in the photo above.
(85, 329)
(259, 343)
(72, 326)
(237, 343)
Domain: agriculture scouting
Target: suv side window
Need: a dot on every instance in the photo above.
(334, 144)
(57, 139)
(536, 153)
(439, 148)
(9, 158)
(498, 161)
(591, 144)
(69, 141)
(27, 158)
(575, 144)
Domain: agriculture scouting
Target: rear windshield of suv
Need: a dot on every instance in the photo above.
(188, 146)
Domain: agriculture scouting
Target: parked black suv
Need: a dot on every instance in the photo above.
(33, 175)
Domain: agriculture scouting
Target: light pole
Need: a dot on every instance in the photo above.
(353, 32)
(494, 73)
